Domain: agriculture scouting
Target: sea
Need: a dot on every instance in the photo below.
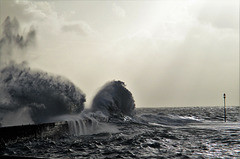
(171, 132)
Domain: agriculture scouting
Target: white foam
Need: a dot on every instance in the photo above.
(86, 124)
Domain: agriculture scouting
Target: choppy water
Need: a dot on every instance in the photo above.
(198, 132)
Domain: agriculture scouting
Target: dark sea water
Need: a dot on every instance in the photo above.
(190, 132)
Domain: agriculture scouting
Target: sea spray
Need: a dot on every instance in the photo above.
(18, 117)
(81, 125)
(45, 95)
(32, 96)
(14, 42)
(114, 99)
(36, 96)
(86, 123)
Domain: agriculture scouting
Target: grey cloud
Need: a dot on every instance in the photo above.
(78, 27)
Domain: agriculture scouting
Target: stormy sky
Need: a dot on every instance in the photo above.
(168, 52)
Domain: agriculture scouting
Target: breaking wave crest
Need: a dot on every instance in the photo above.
(172, 120)
(42, 94)
(114, 99)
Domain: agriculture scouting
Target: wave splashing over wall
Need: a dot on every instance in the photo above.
(42, 94)
(87, 123)
(114, 99)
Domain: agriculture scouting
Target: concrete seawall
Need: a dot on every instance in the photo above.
(34, 130)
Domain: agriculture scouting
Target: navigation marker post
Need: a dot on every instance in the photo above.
(224, 98)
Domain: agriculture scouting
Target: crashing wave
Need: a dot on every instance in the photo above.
(44, 95)
(87, 123)
(114, 99)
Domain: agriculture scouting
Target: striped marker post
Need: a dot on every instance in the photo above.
(224, 99)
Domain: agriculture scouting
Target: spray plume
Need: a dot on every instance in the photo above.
(28, 96)
(45, 95)
(31, 96)
(11, 39)
(114, 99)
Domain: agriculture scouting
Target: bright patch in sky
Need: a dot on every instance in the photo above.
(169, 53)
